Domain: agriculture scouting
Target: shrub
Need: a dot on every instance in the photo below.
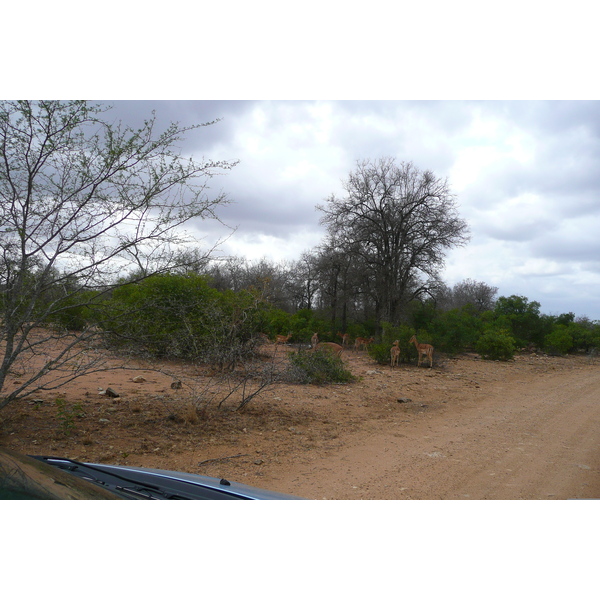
(178, 316)
(559, 341)
(318, 367)
(496, 345)
(456, 330)
(380, 353)
(73, 312)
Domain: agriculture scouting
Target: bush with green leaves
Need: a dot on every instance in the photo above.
(456, 330)
(380, 352)
(318, 367)
(496, 345)
(522, 318)
(74, 312)
(278, 321)
(584, 336)
(559, 341)
(182, 316)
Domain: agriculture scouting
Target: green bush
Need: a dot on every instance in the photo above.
(559, 341)
(522, 318)
(278, 322)
(583, 336)
(380, 353)
(496, 345)
(318, 367)
(456, 330)
(74, 312)
(390, 333)
(181, 316)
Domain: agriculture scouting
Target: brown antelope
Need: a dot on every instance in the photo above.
(283, 339)
(345, 338)
(314, 340)
(332, 347)
(422, 350)
(360, 341)
(395, 354)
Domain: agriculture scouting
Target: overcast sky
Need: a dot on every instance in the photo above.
(526, 175)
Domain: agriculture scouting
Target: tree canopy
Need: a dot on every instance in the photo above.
(395, 222)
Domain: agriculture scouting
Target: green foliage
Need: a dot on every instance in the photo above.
(73, 312)
(585, 335)
(496, 344)
(456, 330)
(522, 318)
(318, 367)
(380, 352)
(422, 314)
(181, 316)
(278, 322)
(559, 341)
(390, 333)
(302, 325)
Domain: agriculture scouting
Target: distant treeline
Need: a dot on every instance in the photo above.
(222, 314)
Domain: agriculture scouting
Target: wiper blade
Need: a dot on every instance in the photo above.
(142, 487)
(88, 472)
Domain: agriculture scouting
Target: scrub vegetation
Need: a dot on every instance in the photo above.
(92, 255)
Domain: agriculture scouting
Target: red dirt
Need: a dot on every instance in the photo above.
(524, 429)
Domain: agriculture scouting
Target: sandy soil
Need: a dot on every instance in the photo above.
(465, 429)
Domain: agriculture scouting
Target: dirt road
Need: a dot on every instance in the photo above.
(465, 429)
(524, 438)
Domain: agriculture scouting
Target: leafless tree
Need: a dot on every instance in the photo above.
(396, 223)
(84, 204)
(477, 293)
(337, 294)
(303, 275)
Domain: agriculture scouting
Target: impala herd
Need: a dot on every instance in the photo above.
(423, 350)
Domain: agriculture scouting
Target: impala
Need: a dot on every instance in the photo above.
(336, 349)
(395, 354)
(360, 341)
(345, 338)
(422, 350)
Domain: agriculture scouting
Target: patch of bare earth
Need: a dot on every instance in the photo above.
(467, 428)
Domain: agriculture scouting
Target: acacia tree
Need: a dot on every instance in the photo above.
(83, 203)
(396, 222)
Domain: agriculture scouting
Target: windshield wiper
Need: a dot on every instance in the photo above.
(145, 491)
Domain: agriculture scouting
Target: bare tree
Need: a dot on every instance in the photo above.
(477, 293)
(396, 222)
(335, 294)
(303, 281)
(84, 204)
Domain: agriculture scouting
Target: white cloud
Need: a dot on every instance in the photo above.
(525, 175)
(255, 247)
(521, 218)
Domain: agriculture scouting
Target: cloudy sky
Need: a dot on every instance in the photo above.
(526, 175)
(525, 172)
